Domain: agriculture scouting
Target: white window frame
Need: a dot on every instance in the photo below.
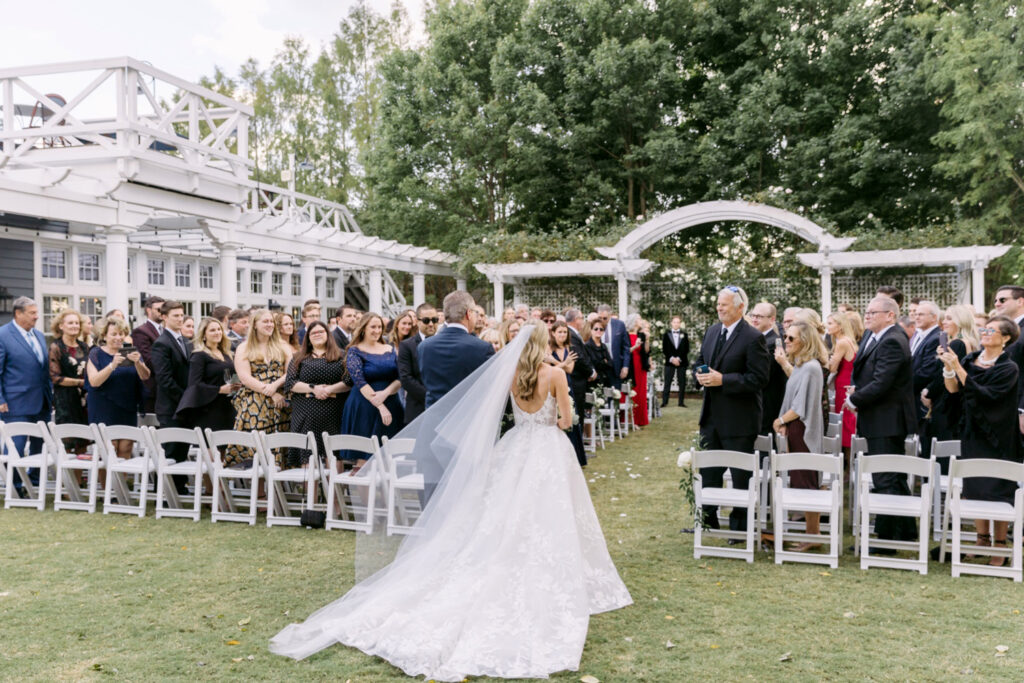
(205, 276)
(152, 273)
(183, 278)
(94, 269)
(61, 267)
(296, 284)
(255, 281)
(277, 283)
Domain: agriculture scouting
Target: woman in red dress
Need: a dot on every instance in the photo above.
(844, 350)
(640, 345)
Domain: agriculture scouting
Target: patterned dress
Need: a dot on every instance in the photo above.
(69, 401)
(310, 414)
(253, 410)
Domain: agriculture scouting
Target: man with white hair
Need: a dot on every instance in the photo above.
(925, 364)
(733, 367)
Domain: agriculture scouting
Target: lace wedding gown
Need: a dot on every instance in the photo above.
(513, 593)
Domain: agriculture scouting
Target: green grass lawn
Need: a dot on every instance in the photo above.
(116, 597)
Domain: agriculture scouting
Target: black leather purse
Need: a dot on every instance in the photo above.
(314, 519)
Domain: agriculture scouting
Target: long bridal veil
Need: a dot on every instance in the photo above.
(454, 440)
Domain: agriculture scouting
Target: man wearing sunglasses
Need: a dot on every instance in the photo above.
(1010, 302)
(408, 362)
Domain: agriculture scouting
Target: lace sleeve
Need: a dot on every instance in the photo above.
(55, 371)
(354, 363)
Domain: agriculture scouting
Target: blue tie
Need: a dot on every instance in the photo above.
(34, 343)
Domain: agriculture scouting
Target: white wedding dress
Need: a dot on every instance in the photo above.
(505, 588)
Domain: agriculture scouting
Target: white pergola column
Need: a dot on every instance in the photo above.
(307, 277)
(419, 289)
(978, 285)
(117, 267)
(376, 293)
(826, 290)
(229, 275)
(460, 284)
(499, 297)
(342, 279)
(623, 296)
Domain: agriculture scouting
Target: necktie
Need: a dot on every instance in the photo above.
(34, 343)
(914, 343)
(719, 345)
(608, 335)
(181, 343)
(870, 344)
(675, 339)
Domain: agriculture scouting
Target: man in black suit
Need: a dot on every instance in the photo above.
(730, 417)
(171, 353)
(924, 364)
(452, 354)
(883, 398)
(762, 317)
(582, 370)
(348, 318)
(676, 345)
(408, 362)
(1010, 302)
(143, 337)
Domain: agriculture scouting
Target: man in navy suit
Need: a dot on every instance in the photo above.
(452, 354)
(616, 340)
(26, 393)
(924, 364)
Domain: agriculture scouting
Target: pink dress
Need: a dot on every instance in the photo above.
(843, 377)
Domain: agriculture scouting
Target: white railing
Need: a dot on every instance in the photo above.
(302, 208)
(393, 301)
(117, 114)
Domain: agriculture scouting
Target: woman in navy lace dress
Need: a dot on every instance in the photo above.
(373, 407)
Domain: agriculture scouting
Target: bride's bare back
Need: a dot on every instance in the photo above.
(551, 381)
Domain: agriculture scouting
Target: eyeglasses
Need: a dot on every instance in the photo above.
(791, 339)
(597, 329)
(430, 321)
(867, 313)
(548, 321)
(757, 315)
(989, 330)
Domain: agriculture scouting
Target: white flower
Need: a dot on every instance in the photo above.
(617, 394)
(685, 459)
(632, 393)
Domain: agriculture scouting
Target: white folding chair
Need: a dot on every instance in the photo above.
(959, 509)
(169, 502)
(224, 477)
(834, 429)
(24, 460)
(346, 509)
(916, 506)
(763, 447)
(71, 465)
(148, 420)
(120, 493)
(610, 411)
(829, 501)
(858, 447)
(726, 497)
(283, 507)
(592, 418)
(626, 421)
(940, 487)
(404, 485)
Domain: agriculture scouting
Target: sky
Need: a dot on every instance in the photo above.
(186, 38)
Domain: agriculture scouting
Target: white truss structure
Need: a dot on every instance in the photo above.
(165, 166)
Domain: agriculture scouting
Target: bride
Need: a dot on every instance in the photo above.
(507, 562)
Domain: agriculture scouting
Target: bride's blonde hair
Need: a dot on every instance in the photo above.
(530, 361)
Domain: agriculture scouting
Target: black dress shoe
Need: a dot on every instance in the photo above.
(885, 552)
(735, 541)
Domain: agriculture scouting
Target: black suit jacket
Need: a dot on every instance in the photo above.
(884, 387)
(734, 408)
(682, 352)
(340, 338)
(143, 338)
(409, 375)
(170, 371)
(773, 392)
(925, 365)
(1016, 353)
(449, 357)
(581, 370)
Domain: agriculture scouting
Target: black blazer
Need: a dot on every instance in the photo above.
(582, 369)
(601, 362)
(1016, 353)
(775, 391)
(341, 339)
(447, 358)
(409, 375)
(925, 365)
(884, 387)
(682, 352)
(734, 408)
(170, 370)
(143, 338)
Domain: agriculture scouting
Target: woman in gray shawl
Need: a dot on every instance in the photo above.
(801, 420)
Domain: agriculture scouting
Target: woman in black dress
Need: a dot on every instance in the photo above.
(987, 384)
(599, 357)
(68, 358)
(316, 376)
(206, 402)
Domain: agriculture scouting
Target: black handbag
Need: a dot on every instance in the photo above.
(314, 519)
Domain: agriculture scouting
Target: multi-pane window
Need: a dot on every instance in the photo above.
(156, 271)
(205, 277)
(52, 305)
(88, 267)
(54, 264)
(332, 283)
(277, 283)
(238, 281)
(206, 309)
(131, 269)
(256, 282)
(182, 274)
(319, 286)
(296, 285)
(92, 306)
(187, 305)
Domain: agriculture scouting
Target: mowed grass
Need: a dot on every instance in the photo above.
(111, 597)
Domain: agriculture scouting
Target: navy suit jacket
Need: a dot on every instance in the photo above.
(619, 348)
(925, 365)
(25, 384)
(449, 357)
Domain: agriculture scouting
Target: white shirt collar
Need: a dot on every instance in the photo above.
(924, 333)
(878, 335)
(730, 328)
(1019, 318)
(459, 326)
(156, 326)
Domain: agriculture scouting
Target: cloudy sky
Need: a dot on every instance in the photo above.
(184, 37)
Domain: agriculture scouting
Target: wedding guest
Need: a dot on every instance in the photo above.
(925, 364)
(316, 378)
(508, 314)
(68, 358)
(452, 354)
(88, 337)
(188, 328)
(1009, 301)
(616, 338)
(988, 382)
(143, 337)
(490, 335)
(348, 318)
(548, 318)
(800, 419)
(403, 327)
(408, 361)
(508, 330)
(480, 323)
(114, 382)
(260, 361)
(286, 328)
(598, 356)
(206, 402)
(311, 310)
(639, 366)
(762, 318)
(535, 314)
(892, 292)
(840, 364)
(238, 328)
(788, 316)
(908, 325)
(944, 408)
(373, 409)
(522, 313)
(857, 323)
(676, 345)
(565, 358)
(220, 313)
(582, 370)
(170, 356)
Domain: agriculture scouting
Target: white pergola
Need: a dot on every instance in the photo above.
(976, 258)
(174, 172)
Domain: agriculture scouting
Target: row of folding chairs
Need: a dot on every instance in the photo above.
(388, 491)
(610, 421)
